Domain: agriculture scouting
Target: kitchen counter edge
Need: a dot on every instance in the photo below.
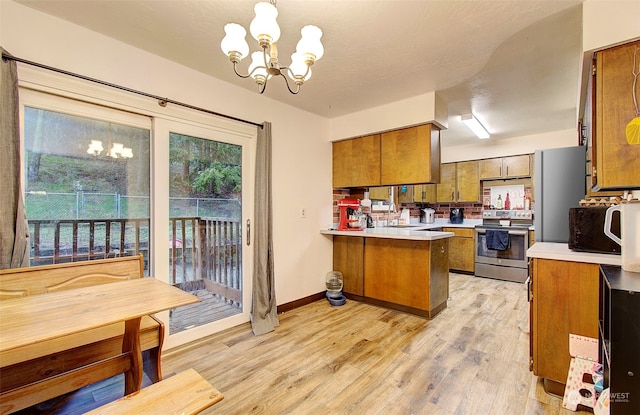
(561, 252)
(393, 233)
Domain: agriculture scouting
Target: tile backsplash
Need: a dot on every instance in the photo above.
(471, 210)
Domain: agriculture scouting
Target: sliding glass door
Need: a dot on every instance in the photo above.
(207, 201)
(103, 182)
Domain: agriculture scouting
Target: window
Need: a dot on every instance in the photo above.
(86, 182)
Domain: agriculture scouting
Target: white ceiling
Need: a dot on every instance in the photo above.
(514, 63)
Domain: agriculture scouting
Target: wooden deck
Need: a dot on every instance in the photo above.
(210, 308)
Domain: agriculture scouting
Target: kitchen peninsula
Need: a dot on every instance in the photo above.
(403, 268)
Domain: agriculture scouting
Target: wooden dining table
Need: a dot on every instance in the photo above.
(29, 320)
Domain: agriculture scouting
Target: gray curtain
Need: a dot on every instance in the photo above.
(14, 232)
(264, 313)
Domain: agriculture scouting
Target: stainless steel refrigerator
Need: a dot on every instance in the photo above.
(559, 184)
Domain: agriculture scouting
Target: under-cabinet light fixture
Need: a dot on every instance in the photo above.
(475, 126)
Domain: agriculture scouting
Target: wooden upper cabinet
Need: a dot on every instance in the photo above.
(505, 167)
(517, 166)
(356, 162)
(616, 163)
(468, 181)
(459, 182)
(424, 193)
(379, 193)
(491, 168)
(410, 155)
(446, 189)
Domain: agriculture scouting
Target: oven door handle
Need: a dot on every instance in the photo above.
(520, 233)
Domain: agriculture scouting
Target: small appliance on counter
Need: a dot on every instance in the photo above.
(587, 230)
(427, 215)
(628, 240)
(456, 215)
(350, 215)
(370, 221)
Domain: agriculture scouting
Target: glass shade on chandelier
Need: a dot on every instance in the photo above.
(265, 64)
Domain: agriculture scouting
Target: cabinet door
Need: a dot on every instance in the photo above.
(356, 162)
(617, 162)
(424, 193)
(405, 193)
(438, 275)
(516, 166)
(467, 181)
(462, 249)
(379, 193)
(446, 189)
(491, 168)
(348, 258)
(565, 300)
(410, 155)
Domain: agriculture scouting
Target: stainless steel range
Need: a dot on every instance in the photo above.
(501, 244)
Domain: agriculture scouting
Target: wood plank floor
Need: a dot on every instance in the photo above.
(362, 359)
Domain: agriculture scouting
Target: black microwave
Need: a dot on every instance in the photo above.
(586, 230)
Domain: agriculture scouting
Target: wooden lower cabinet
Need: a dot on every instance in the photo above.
(406, 275)
(564, 300)
(413, 275)
(462, 250)
(348, 258)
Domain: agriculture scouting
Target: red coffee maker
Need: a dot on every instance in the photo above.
(348, 220)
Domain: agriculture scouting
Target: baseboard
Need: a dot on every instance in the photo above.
(283, 308)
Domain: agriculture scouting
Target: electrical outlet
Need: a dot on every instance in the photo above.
(303, 213)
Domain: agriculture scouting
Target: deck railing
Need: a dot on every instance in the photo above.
(201, 250)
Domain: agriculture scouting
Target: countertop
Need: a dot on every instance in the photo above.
(411, 233)
(561, 252)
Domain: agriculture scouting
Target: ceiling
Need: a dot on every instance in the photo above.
(513, 63)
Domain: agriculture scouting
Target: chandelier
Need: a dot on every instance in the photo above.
(265, 64)
(116, 151)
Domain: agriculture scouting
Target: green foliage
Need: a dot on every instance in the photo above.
(218, 179)
(65, 174)
(204, 168)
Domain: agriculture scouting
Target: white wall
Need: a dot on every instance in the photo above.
(510, 146)
(416, 110)
(609, 22)
(301, 151)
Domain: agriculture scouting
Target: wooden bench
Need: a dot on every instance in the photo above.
(26, 380)
(185, 393)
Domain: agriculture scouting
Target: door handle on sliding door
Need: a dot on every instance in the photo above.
(248, 232)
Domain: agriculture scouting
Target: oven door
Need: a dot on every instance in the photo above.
(514, 256)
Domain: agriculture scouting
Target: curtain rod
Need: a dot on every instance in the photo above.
(161, 101)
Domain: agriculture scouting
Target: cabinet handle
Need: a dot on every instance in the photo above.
(442, 249)
(458, 194)
(507, 170)
(500, 171)
(527, 284)
(453, 196)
